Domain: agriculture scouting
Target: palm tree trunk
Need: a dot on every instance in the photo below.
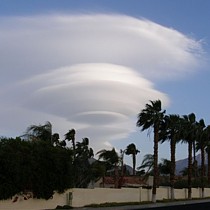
(74, 148)
(134, 164)
(155, 178)
(116, 177)
(195, 165)
(202, 169)
(173, 166)
(189, 169)
(209, 167)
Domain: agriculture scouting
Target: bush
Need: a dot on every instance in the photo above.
(34, 166)
(195, 183)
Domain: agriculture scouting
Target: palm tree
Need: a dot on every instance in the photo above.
(83, 150)
(70, 136)
(55, 140)
(170, 130)
(201, 140)
(165, 166)
(208, 150)
(131, 150)
(122, 152)
(188, 135)
(82, 165)
(149, 117)
(111, 159)
(40, 132)
(147, 163)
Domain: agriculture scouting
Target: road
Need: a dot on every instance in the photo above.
(180, 205)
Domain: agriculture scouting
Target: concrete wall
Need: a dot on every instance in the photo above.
(81, 197)
(33, 204)
(181, 193)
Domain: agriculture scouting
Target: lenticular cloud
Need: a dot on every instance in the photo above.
(92, 94)
(95, 71)
(41, 43)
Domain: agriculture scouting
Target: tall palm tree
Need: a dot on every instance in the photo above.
(208, 150)
(122, 152)
(111, 159)
(189, 135)
(201, 135)
(170, 130)
(132, 150)
(149, 117)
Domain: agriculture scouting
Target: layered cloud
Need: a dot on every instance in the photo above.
(93, 72)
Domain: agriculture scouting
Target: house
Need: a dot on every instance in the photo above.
(126, 181)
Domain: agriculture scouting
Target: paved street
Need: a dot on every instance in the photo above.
(181, 205)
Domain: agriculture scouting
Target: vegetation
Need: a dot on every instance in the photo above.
(132, 150)
(175, 129)
(34, 166)
(152, 116)
(171, 131)
(41, 163)
(111, 160)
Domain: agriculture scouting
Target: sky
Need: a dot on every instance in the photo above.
(93, 65)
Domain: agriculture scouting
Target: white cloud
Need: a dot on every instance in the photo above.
(91, 72)
(39, 43)
(81, 91)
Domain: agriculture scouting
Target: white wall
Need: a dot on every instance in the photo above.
(81, 197)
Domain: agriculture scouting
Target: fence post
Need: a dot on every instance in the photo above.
(140, 194)
(186, 193)
(169, 193)
(149, 194)
(69, 198)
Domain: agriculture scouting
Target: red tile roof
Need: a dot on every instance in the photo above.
(126, 181)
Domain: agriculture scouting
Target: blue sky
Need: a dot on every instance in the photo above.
(43, 51)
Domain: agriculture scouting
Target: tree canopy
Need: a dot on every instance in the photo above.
(34, 166)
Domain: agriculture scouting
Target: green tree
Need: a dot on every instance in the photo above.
(70, 136)
(132, 150)
(149, 117)
(201, 137)
(82, 166)
(40, 132)
(208, 150)
(171, 131)
(56, 141)
(148, 164)
(189, 136)
(112, 160)
(34, 166)
(97, 171)
(164, 166)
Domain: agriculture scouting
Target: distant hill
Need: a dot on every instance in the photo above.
(181, 164)
(128, 168)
